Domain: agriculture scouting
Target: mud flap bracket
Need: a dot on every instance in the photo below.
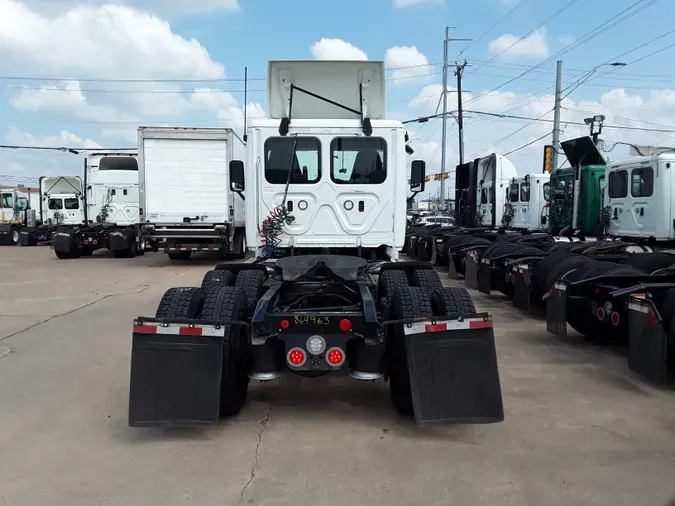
(647, 341)
(454, 376)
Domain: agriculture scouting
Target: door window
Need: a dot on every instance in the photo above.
(8, 201)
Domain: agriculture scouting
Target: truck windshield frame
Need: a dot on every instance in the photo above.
(358, 160)
(514, 195)
(306, 164)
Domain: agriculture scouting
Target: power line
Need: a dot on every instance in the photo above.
(531, 32)
(528, 144)
(495, 25)
(600, 29)
(74, 150)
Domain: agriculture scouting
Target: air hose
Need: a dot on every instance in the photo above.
(272, 229)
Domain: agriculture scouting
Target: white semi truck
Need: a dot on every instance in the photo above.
(325, 182)
(527, 202)
(186, 202)
(61, 200)
(111, 209)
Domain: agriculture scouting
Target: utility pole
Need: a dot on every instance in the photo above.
(445, 112)
(460, 111)
(556, 116)
(446, 40)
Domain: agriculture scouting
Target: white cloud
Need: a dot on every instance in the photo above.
(399, 4)
(163, 7)
(63, 139)
(511, 46)
(110, 41)
(337, 49)
(410, 65)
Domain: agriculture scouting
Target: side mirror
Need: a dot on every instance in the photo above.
(237, 176)
(417, 175)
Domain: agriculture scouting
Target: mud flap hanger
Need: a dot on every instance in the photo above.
(362, 113)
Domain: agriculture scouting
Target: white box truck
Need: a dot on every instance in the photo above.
(185, 197)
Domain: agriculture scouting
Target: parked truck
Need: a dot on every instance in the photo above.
(325, 182)
(17, 213)
(186, 202)
(111, 210)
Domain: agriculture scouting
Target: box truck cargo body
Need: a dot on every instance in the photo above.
(186, 201)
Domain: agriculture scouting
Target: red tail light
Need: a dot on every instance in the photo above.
(345, 325)
(94, 242)
(85, 242)
(615, 318)
(285, 324)
(297, 357)
(335, 356)
(600, 313)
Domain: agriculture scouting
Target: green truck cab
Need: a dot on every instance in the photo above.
(577, 206)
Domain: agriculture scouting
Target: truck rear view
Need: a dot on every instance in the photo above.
(186, 202)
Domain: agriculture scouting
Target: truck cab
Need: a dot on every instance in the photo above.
(61, 200)
(638, 195)
(576, 197)
(526, 202)
(111, 183)
(336, 176)
(493, 175)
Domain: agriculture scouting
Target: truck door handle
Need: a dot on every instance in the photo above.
(361, 206)
(289, 205)
(642, 211)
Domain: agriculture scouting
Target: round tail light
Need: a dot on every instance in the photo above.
(94, 242)
(85, 242)
(285, 324)
(297, 357)
(335, 357)
(345, 325)
(600, 314)
(615, 318)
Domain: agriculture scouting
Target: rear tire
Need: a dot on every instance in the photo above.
(229, 304)
(14, 236)
(251, 282)
(452, 302)
(427, 279)
(181, 303)
(388, 282)
(407, 302)
(239, 244)
(216, 279)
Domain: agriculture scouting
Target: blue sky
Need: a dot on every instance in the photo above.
(162, 40)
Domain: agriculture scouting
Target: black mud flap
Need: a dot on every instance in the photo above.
(484, 276)
(647, 341)
(175, 374)
(454, 376)
(522, 288)
(471, 271)
(27, 239)
(556, 309)
(452, 270)
(119, 240)
(62, 241)
(5, 235)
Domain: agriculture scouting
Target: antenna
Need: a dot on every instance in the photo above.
(245, 99)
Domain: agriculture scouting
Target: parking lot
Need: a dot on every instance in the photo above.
(580, 428)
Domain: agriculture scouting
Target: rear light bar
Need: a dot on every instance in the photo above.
(176, 329)
(430, 327)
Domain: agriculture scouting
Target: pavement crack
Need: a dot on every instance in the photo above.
(263, 427)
